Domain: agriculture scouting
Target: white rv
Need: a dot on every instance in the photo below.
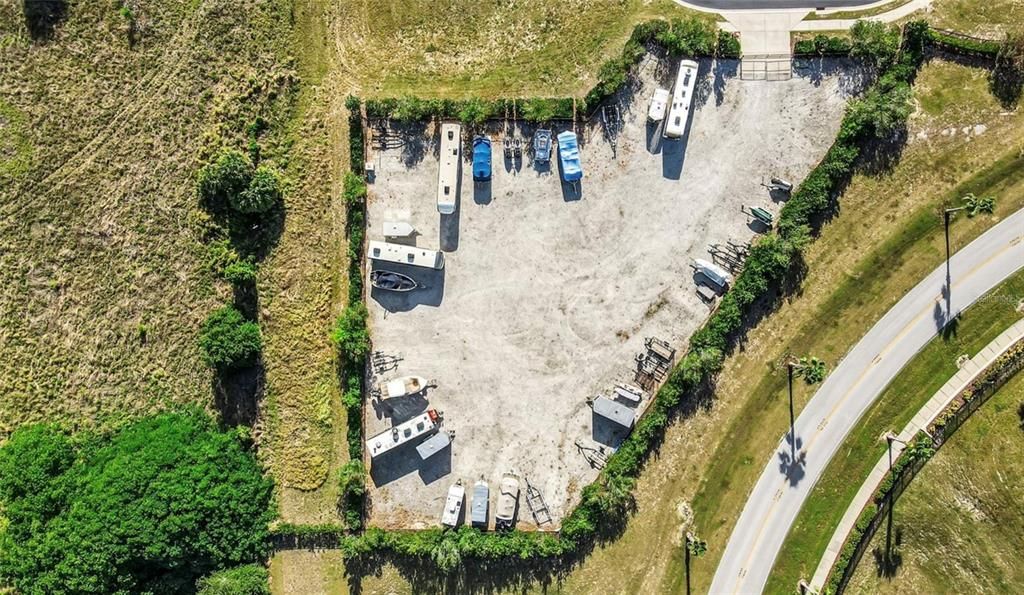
(402, 254)
(682, 99)
(448, 173)
(717, 274)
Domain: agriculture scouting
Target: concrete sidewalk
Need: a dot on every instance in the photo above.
(936, 405)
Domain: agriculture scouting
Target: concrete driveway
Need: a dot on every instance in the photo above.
(848, 392)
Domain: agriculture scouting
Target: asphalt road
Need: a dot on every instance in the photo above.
(776, 4)
(848, 392)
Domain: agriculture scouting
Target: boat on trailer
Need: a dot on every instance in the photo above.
(453, 505)
(392, 281)
(403, 386)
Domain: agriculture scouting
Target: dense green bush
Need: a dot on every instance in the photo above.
(224, 178)
(228, 340)
(728, 45)
(248, 579)
(875, 42)
(151, 508)
(262, 194)
(1007, 77)
(350, 334)
(544, 109)
(240, 272)
(823, 45)
(351, 490)
(356, 138)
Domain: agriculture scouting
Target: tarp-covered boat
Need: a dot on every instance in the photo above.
(481, 159)
(392, 281)
(569, 154)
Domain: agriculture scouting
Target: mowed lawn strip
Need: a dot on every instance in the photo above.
(959, 526)
(886, 238)
(900, 402)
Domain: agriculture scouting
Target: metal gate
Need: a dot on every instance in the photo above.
(766, 68)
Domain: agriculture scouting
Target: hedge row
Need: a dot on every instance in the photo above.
(823, 45)
(1004, 366)
(691, 37)
(963, 44)
(917, 453)
(350, 334)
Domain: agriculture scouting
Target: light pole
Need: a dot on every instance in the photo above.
(791, 365)
(946, 216)
(889, 439)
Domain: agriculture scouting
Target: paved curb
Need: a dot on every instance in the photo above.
(936, 405)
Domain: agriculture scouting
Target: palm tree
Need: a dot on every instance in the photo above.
(976, 205)
(696, 547)
(811, 368)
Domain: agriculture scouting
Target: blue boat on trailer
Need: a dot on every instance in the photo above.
(569, 155)
(481, 159)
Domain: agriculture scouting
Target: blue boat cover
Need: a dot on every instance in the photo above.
(481, 158)
(569, 153)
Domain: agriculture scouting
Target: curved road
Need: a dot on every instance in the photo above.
(776, 4)
(849, 390)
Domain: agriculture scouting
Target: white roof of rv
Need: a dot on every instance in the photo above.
(403, 254)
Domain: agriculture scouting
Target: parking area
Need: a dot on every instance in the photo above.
(549, 290)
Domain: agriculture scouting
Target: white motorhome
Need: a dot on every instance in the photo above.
(402, 254)
(448, 173)
(682, 99)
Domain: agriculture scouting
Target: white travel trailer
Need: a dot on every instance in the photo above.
(682, 99)
(448, 173)
(402, 254)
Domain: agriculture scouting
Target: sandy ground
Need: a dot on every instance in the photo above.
(548, 291)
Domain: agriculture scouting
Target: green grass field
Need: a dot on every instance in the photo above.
(960, 523)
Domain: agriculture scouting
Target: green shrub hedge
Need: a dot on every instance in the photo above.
(823, 45)
(964, 45)
(919, 451)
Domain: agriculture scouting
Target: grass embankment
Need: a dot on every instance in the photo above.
(990, 19)
(467, 48)
(896, 406)
(960, 524)
(103, 283)
(886, 223)
(857, 14)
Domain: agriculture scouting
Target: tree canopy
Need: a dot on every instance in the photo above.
(152, 507)
(228, 340)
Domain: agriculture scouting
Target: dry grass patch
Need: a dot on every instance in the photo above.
(102, 277)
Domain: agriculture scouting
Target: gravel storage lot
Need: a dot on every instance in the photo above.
(548, 291)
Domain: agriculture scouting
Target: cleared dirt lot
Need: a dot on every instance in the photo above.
(549, 292)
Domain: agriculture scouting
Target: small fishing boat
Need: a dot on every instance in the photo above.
(453, 505)
(403, 386)
(391, 281)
